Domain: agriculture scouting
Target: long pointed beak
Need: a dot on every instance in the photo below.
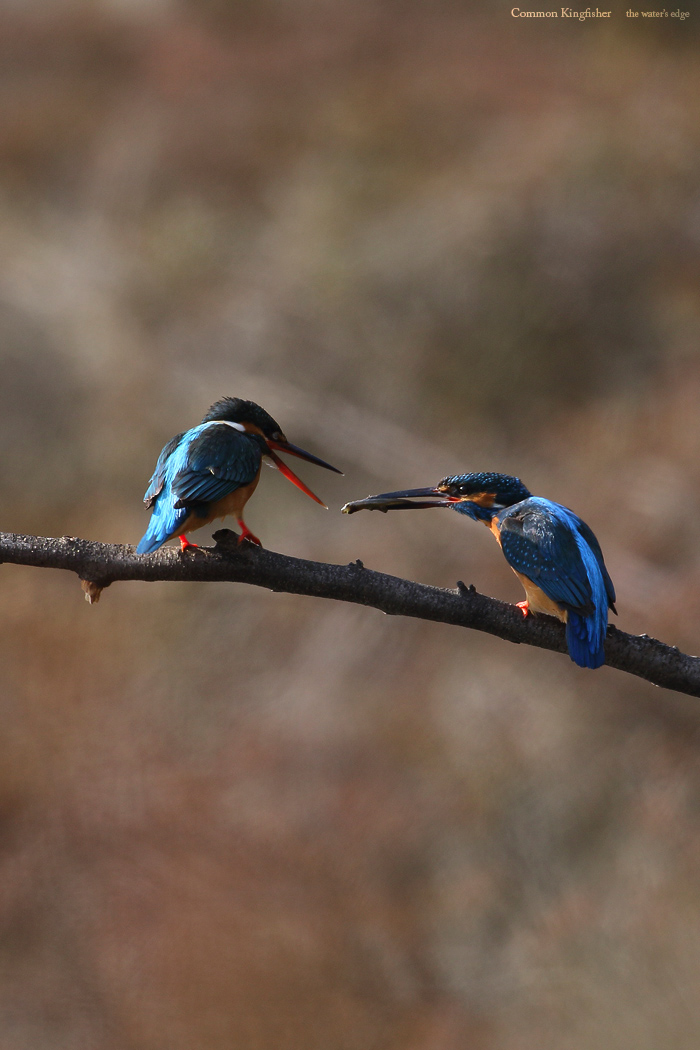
(401, 501)
(294, 450)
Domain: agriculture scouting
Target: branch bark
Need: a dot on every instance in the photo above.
(100, 564)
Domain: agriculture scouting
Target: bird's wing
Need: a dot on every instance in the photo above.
(218, 459)
(539, 540)
(592, 541)
(155, 485)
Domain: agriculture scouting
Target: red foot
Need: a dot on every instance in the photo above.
(246, 534)
(524, 608)
(185, 543)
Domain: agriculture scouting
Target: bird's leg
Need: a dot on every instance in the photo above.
(246, 534)
(185, 543)
(524, 607)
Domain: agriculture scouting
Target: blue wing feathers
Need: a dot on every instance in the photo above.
(556, 573)
(550, 545)
(155, 485)
(190, 487)
(218, 461)
(164, 523)
(592, 541)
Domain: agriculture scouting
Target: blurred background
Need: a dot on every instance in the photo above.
(427, 239)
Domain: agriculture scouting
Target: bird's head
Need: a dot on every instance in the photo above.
(480, 496)
(254, 420)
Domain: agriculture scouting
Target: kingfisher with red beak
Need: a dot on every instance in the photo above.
(554, 554)
(213, 469)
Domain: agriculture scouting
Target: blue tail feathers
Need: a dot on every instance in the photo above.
(164, 523)
(585, 638)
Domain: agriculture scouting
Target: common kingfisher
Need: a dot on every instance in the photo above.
(213, 469)
(553, 553)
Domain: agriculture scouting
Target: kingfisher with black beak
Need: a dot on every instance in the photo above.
(554, 554)
(213, 469)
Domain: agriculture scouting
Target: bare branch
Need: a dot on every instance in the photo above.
(100, 564)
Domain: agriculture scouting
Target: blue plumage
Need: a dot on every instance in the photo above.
(557, 551)
(195, 469)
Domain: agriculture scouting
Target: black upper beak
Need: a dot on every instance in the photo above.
(294, 450)
(401, 500)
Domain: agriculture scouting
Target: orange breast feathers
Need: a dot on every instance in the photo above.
(537, 600)
(495, 527)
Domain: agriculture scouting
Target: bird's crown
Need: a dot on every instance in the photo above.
(236, 410)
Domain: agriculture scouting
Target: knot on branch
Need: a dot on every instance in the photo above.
(230, 541)
(225, 538)
(464, 590)
(93, 589)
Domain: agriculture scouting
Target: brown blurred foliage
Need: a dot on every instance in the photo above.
(427, 238)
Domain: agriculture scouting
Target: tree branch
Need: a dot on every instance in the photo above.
(100, 564)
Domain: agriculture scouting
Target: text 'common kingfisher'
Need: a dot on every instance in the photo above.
(213, 469)
(553, 553)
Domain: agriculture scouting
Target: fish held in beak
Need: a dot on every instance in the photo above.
(402, 500)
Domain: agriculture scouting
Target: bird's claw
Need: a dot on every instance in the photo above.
(246, 534)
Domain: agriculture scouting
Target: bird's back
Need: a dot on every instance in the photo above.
(552, 547)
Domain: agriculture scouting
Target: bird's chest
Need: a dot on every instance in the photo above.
(537, 600)
(234, 503)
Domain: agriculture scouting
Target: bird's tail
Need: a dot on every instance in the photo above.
(164, 523)
(585, 638)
